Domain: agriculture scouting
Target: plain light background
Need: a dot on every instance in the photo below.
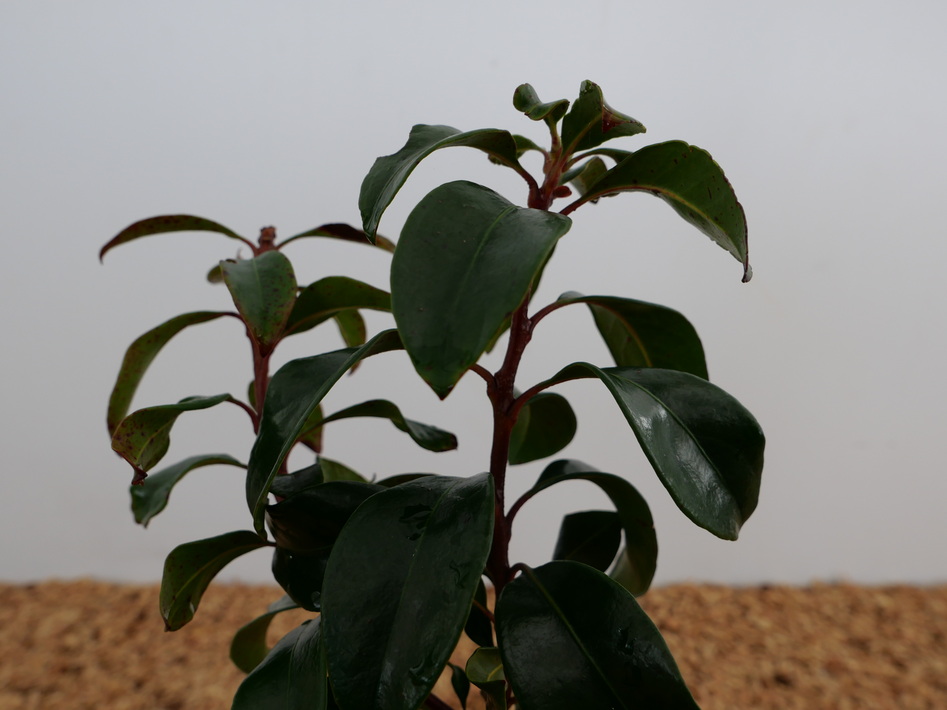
(828, 118)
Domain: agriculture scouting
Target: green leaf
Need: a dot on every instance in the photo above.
(413, 555)
(424, 435)
(345, 232)
(335, 471)
(460, 684)
(478, 628)
(390, 172)
(640, 334)
(485, 670)
(191, 567)
(293, 394)
(526, 100)
(706, 448)
(572, 638)
(591, 537)
(301, 575)
(545, 426)
(143, 437)
(151, 497)
(591, 121)
(464, 263)
(328, 297)
(139, 356)
(689, 180)
(586, 174)
(168, 223)
(351, 327)
(291, 677)
(264, 290)
(249, 647)
(640, 557)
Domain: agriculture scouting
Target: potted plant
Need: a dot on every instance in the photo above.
(396, 568)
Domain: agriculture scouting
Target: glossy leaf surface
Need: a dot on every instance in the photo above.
(570, 637)
(424, 435)
(351, 327)
(478, 627)
(464, 263)
(689, 180)
(165, 224)
(706, 448)
(249, 647)
(325, 298)
(151, 497)
(641, 545)
(291, 677)
(545, 426)
(485, 670)
(140, 355)
(460, 683)
(640, 334)
(591, 121)
(412, 554)
(143, 437)
(264, 290)
(191, 567)
(591, 537)
(345, 232)
(293, 394)
(389, 173)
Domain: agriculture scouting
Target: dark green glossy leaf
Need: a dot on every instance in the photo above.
(706, 448)
(293, 394)
(424, 435)
(412, 554)
(312, 433)
(322, 300)
(526, 100)
(191, 567)
(264, 290)
(345, 232)
(291, 677)
(689, 180)
(485, 670)
(640, 334)
(524, 145)
(570, 637)
(478, 627)
(168, 223)
(389, 173)
(400, 478)
(591, 537)
(311, 520)
(151, 497)
(301, 575)
(591, 121)
(545, 426)
(640, 557)
(460, 684)
(143, 437)
(249, 647)
(335, 471)
(351, 328)
(587, 174)
(464, 263)
(139, 356)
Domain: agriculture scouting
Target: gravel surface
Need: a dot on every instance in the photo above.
(86, 644)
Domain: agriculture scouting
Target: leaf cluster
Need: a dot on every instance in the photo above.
(396, 570)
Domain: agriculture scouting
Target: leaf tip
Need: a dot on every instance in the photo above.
(747, 272)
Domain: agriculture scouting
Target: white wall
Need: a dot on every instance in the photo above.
(828, 118)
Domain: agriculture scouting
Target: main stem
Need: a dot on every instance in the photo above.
(503, 398)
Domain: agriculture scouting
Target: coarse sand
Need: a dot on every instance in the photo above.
(87, 644)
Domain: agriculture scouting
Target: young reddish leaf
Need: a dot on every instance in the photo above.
(168, 223)
(139, 356)
(390, 172)
(465, 261)
(191, 567)
(264, 290)
(689, 180)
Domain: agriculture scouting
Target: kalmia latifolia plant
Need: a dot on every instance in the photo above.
(395, 570)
